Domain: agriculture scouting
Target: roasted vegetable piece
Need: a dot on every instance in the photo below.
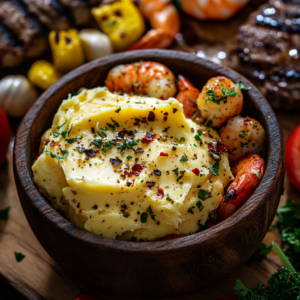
(4, 135)
(121, 21)
(43, 74)
(66, 49)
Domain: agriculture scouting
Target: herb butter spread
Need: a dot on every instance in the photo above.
(131, 168)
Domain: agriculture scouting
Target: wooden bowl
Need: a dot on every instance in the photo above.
(158, 268)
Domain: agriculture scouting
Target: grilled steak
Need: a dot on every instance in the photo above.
(267, 51)
(24, 25)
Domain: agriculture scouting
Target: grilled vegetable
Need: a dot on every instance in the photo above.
(4, 136)
(95, 44)
(67, 50)
(16, 95)
(121, 21)
(43, 74)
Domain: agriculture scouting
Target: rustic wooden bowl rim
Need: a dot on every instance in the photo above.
(23, 166)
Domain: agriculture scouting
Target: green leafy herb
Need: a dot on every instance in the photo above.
(104, 128)
(232, 92)
(97, 143)
(73, 93)
(142, 181)
(166, 129)
(208, 124)
(19, 256)
(244, 133)
(4, 212)
(115, 123)
(102, 134)
(153, 217)
(70, 129)
(175, 171)
(215, 169)
(260, 253)
(118, 110)
(196, 114)
(56, 134)
(212, 97)
(241, 86)
(191, 211)
(183, 159)
(73, 140)
(80, 149)
(243, 144)
(234, 149)
(175, 144)
(197, 138)
(113, 128)
(133, 239)
(182, 139)
(137, 119)
(128, 157)
(195, 145)
(60, 126)
(129, 144)
(64, 133)
(202, 194)
(199, 205)
(200, 225)
(168, 199)
(179, 178)
(106, 146)
(65, 153)
(144, 216)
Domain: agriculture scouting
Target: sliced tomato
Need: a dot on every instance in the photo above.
(292, 152)
(4, 135)
(87, 297)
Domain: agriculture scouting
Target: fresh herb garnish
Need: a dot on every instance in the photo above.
(197, 138)
(256, 172)
(4, 212)
(144, 216)
(166, 129)
(215, 169)
(60, 126)
(110, 23)
(137, 119)
(182, 139)
(195, 115)
(118, 110)
(208, 124)
(97, 143)
(226, 93)
(241, 86)
(19, 256)
(65, 153)
(168, 199)
(70, 129)
(212, 97)
(195, 145)
(113, 128)
(115, 123)
(183, 159)
(106, 146)
(244, 133)
(80, 149)
(202, 194)
(64, 133)
(73, 140)
(128, 157)
(175, 171)
(133, 239)
(191, 211)
(104, 128)
(243, 144)
(56, 134)
(129, 144)
(102, 134)
(179, 178)
(199, 205)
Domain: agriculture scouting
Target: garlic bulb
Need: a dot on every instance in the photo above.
(95, 44)
(16, 95)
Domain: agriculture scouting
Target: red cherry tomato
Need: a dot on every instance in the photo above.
(292, 152)
(87, 297)
(4, 135)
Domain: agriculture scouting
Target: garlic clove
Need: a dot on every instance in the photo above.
(17, 95)
(95, 44)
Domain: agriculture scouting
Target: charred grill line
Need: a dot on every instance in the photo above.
(62, 11)
(10, 36)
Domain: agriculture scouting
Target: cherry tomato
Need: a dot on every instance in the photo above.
(87, 297)
(4, 135)
(292, 152)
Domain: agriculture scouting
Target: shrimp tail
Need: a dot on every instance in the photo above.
(249, 172)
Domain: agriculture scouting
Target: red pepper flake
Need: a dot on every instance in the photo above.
(90, 152)
(52, 144)
(163, 154)
(161, 98)
(78, 204)
(133, 182)
(220, 146)
(154, 108)
(80, 211)
(151, 116)
(166, 113)
(210, 146)
(148, 138)
(195, 155)
(196, 171)
(144, 120)
(37, 157)
(120, 135)
(247, 119)
(150, 184)
(137, 169)
(47, 141)
(115, 161)
(160, 193)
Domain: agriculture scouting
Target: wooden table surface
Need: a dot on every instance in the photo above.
(39, 277)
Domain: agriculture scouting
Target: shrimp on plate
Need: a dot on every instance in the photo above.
(187, 96)
(220, 101)
(211, 9)
(164, 20)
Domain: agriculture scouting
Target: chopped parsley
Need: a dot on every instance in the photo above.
(241, 86)
(175, 144)
(80, 149)
(60, 126)
(113, 128)
(115, 123)
(118, 110)
(202, 194)
(179, 178)
(200, 225)
(102, 134)
(199, 205)
(73, 140)
(104, 128)
(110, 23)
(208, 124)
(153, 217)
(191, 211)
(70, 129)
(183, 159)
(243, 144)
(129, 157)
(63, 134)
(212, 97)
(19, 256)
(56, 134)
(197, 138)
(196, 114)
(65, 153)
(97, 143)
(195, 145)
(182, 139)
(232, 92)
(168, 199)
(175, 171)
(234, 149)
(4, 212)
(244, 133)
(166, 129)
(144, 216)
(215, 169)
(106, 145)
(133, 239)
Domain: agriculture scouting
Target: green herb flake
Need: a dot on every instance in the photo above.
(60, 126)
(175, 144)
(200, 225)
(56, 134)
(153, 217)
(104, 128)
(97, 143)
(65, 153)
(208, 124)
(183, 159)
(256, 172)
(112, 127)
(234, 149)
(241, 86)
(168, 199)
(19, 256)
(199, 205)
(179, 178)
(110, 23)
(118, 110)
(244, 133)
(195, 145)
(243, 144)
(70, 129)
(73, 140)
(215, 169)
(115, 123)
(191, 211)
(129, 157)
(196, 114)
(175, 171)
(232, 92)
(197, 138)
(202, 194)
(133, 239)
(144, 216)
(80, 149)
(166, 129)
(64, 133)
(106, 146)
(4, 213)
(182, 139)
(142, 181)
(102, 134)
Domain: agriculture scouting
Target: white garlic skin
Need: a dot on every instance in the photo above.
(17, 95)
(95, 44)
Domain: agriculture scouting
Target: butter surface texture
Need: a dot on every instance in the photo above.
(129, 167)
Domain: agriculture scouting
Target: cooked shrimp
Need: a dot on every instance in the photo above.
(249, 172)
(188, 98)
(212, 9)
(219, 100)
(243, 136)
(142, 78)
(164, 19)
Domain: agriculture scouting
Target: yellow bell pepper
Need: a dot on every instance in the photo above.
(43, 74)
(121, 21)
(67, 50)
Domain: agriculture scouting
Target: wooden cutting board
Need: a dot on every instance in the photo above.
(39, 277)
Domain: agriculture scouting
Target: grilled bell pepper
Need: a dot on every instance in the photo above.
(121, 21)
(43, 74)
(67, 50)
